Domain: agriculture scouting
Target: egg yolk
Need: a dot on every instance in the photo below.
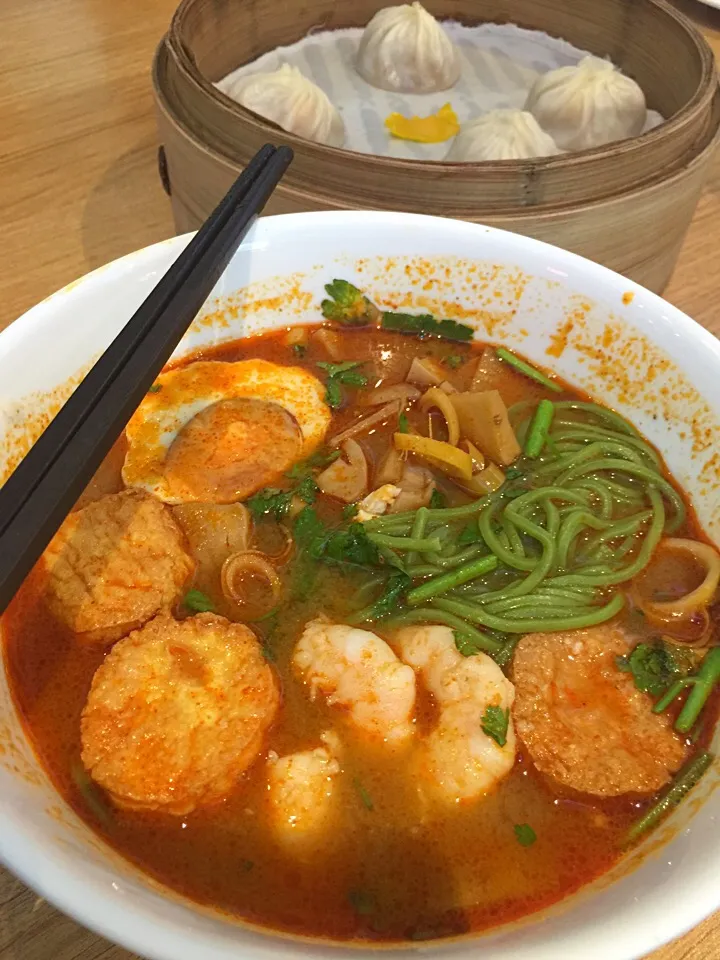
(231, 449)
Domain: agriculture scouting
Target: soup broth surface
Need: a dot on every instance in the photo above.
(384, 868)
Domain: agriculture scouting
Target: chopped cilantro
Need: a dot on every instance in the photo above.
(349, 511)
(465, 644)
(348, 305)
(198, 601)
(424, 324)
(403, 425)
(513, 473)
(349, 546)
(505, 654)
(307, 489)
(653, 667)
(318, 460)
(525, 834)
(270, 501)
(438, 500)
(363, 794)
(346, 374)
(307, 527)
(495, 724)
(389, 600)
(469, 535)
(453, 361)
(299, 349)
(155, 388)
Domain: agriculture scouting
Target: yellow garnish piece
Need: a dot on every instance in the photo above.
(455, 463)
(439, 126)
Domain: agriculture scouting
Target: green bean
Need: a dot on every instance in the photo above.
(539, 429)
(477, 614)
(417, 531)
(390, 557)
(405, 543)
(701, 686)
(423, 570)
(686, 779)
(523, 367)
(439, 585)
(431, 615)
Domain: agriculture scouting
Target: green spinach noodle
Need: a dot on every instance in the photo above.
(566, 529)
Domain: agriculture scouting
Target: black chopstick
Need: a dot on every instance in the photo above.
(42, 490)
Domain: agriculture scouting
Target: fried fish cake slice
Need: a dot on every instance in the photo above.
(115, 564)
(177, 712)
(583, 721)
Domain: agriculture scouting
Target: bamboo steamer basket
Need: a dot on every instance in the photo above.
(626, 205)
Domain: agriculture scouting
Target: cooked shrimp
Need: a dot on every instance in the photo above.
(583, 722)
(357, 670)
(459, 761)
(177, 712)
(300, 791)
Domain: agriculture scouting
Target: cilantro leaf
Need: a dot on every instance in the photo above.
(307, 489)
(495, 724)
(333, 394)
(454, 361)
(307, 527)
(269, 501)
(349, 511)
(348, 305)
(349, 546)
(299, 349)
(345, 373)
(438, 500)
(653, 667)
(525, 834)
(424, 324)
(513, 473)
(318, 460)
(403, 425)
(469, 535)
(390, 598)
(198, 601)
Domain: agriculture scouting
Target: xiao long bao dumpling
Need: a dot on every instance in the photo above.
(286, 97)
(587, 105)
(501, 135)
(405, 49)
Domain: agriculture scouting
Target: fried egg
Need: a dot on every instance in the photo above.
(217, 432)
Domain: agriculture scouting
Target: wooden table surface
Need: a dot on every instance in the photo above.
(79, 187)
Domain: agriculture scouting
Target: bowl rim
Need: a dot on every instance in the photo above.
(165, 939)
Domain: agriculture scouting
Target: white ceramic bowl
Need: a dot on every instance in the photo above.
(606, 335)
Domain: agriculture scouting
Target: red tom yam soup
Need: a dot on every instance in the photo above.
(365, 631)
